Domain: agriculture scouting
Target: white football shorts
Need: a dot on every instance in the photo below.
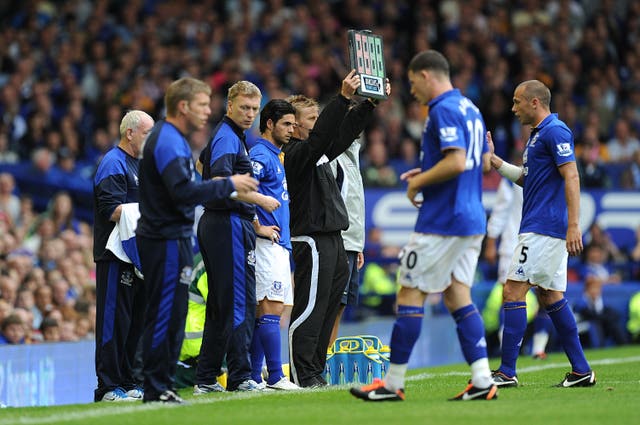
(273, 272)
(504, 263)
(428, 261)
(540, 260)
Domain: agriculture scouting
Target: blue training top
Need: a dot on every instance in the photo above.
(268, 169)
(169, 191)
(115, 183)
(226, 155)
(453, 207)
(544, 210)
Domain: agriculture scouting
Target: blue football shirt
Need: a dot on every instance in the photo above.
(544, 209)
(269, 171)
(453, 207)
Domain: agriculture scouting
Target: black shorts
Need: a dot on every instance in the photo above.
(352, 288)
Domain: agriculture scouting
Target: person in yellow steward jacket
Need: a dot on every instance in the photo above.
(633, 325)
(194, 326)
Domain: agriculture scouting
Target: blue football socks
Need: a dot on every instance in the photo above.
(406, 331)
(470, 329)
(565, 324)
(269, 333)
(515, 324)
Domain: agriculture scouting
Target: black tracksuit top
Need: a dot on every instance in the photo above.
(316, 204)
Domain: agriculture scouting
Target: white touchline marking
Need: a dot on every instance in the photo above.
(101, 409)
(529, 369)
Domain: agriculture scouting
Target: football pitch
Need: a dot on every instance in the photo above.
(614, 400)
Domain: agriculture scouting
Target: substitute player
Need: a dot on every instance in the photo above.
(273, 243)
(443, 251)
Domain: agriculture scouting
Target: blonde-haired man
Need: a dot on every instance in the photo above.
(318, 215)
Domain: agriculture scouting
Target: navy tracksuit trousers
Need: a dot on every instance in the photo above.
(167, 265)
(227, 243)
(120, 307)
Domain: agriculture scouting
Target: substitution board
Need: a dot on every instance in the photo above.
(367, 58)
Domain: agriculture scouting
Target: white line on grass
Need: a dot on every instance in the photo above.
(101, 410)
(536, 368)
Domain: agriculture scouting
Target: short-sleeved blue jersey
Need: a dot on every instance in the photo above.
(269, 171)
(544, 210)
(453, 207)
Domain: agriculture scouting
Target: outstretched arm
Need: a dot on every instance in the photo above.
(354, 123)
(509, 171)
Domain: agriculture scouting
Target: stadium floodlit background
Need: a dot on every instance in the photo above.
(70, 69)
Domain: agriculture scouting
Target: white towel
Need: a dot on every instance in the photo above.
(122, 240)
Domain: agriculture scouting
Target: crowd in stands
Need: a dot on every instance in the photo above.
(47, 282)
(69, 70)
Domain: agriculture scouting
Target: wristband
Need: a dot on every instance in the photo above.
(510, 171)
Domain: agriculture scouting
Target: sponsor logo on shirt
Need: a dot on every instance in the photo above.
(449, 134)
(564, 149)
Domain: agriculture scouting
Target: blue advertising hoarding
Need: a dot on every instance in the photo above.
(617, 212)
(47, 374)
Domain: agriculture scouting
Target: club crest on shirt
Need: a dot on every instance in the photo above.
(257, 168)
(449, 134)
(564, 149)
(277, 286)
(251, 258)
(185, 275)
(126, 278)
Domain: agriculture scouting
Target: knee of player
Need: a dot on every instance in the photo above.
(548, 298)
(515, 291)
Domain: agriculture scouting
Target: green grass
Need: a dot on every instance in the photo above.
(613, 401)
